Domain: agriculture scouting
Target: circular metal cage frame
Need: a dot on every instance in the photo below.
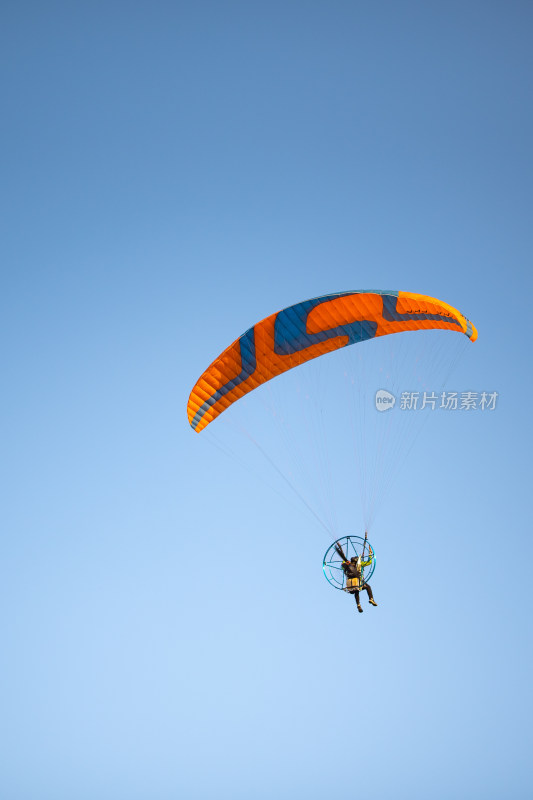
(351, 546)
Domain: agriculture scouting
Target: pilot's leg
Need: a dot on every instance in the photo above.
(370, 595)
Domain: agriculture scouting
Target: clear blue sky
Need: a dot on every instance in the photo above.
(171, 173)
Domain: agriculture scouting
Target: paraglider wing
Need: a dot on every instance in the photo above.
(307, 330)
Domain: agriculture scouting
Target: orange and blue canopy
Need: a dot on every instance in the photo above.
(304, 331)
